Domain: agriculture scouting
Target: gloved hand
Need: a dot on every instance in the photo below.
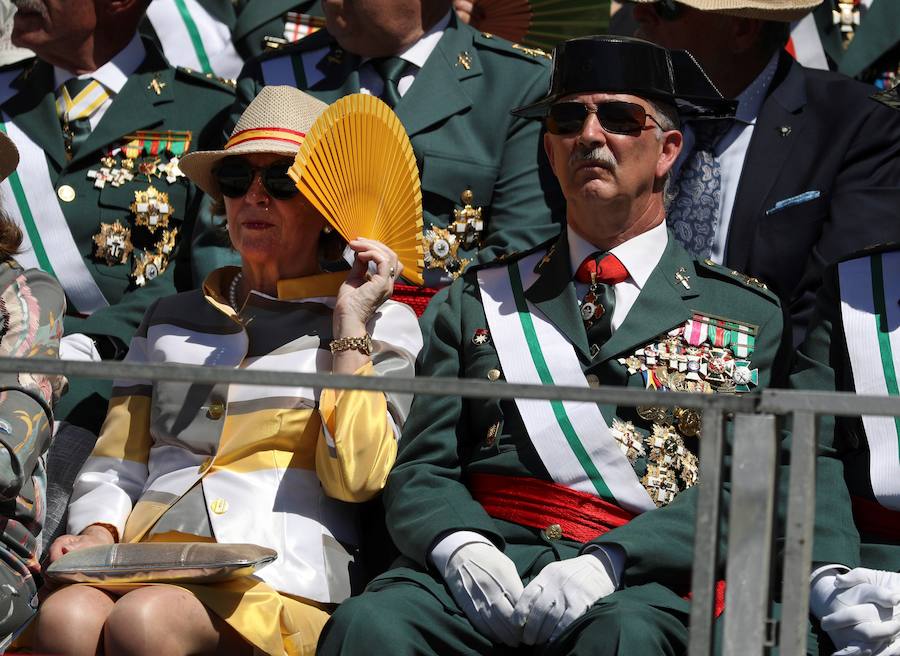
(78, 347)
(879, 577)
(485, 584)
(562, 593)
(858, 617)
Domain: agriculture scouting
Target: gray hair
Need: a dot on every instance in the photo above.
(667, 115)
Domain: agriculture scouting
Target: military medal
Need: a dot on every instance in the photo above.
(744, 377)
(148, 167)
(147, 267)
(113, 243)
(441, 252)
(166, 243)
(629, 439)
(151, 209)
(468, 224)
(170, 170)
(297, 25)
(846, 15)
(661, 484)
(481, 336)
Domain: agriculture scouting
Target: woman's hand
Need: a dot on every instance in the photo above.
(92, 536)
(363, 293)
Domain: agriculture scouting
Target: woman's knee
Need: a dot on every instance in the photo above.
(73, 618)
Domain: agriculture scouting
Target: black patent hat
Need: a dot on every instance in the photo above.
(618, 64)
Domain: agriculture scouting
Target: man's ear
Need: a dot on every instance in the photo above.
(671, 143)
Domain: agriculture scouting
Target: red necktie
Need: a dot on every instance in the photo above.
(601, 273)
(608, 269)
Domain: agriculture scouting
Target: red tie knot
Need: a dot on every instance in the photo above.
(607, 269)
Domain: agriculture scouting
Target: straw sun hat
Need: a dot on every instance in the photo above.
(275, 122)
(773, 10)
(9, 156)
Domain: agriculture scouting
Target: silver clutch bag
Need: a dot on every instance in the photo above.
(161, 562)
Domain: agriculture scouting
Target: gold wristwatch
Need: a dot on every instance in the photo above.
(362, 344)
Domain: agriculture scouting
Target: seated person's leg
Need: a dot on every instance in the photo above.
(404, 618)
(647, 619)
(71, 620)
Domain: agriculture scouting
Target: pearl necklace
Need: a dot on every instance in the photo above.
(232, 290)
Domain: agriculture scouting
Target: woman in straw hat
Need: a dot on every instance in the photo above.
(32, 305)
(273, 466)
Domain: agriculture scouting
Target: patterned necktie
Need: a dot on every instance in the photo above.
(600, 271)
(391, 70)
(77, 101)
(693, 213)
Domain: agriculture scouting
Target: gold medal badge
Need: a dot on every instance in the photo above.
(151, 209)
(166, 243)
(468, 224)
(113, 243)
(441, 248)
(148, 266)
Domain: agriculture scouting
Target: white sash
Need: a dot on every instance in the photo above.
(30, 199)
(572, 439)
(192, 38)
(870, 290)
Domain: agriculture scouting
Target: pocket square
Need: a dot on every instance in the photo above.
(805, 197)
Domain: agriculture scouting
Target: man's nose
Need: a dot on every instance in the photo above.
(592, 133)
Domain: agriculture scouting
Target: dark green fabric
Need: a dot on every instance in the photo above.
(258, 19)
(876, 40)
(185, 102)
(391, 70)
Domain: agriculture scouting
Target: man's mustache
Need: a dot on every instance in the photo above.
(598, 155)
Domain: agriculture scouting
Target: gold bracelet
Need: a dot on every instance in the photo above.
(362, 344)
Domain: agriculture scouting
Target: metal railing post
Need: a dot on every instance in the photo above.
(706, 536)
(750, 526)
(801, 509)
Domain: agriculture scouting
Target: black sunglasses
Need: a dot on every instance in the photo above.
(235, 175)
(615, 116)
(668, 10)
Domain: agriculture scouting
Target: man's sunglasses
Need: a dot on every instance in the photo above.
(235, 175)
(615, 116)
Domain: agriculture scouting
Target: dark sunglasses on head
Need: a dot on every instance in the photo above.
(235, 175)
(615, 116)
(668, 10)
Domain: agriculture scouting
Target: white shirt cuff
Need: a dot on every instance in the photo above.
(613, 558)
(448, 545)
(821, 588)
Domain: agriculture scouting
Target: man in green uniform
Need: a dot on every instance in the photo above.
(854, 346)
(100, 119)
(486, 189)
(569, 526)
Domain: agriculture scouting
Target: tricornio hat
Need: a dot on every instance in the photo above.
(275, 122)
(618, 64)
(9, 156)
(772, 10)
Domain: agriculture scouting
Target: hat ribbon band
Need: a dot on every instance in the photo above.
(276, 134)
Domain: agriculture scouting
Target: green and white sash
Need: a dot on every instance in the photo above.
(30, 199)
(192, 38)
(870, 291)
(572, 439)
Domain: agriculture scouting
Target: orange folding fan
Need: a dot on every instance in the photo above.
(357, 167)
(541, 23)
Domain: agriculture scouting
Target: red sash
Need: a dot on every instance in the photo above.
(540, 504)
(873, 518)
(415, 297)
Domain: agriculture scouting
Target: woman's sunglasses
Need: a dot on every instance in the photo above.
(235, 175)
(615, 116)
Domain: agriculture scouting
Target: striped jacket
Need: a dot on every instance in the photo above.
(274, 466)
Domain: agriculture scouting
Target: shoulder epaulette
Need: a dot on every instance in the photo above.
(737, 277)
(883, 247)
(209, 78)
(316, 40)
(499, 44)
(511, 256)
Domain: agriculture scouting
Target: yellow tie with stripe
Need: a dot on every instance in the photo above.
(78, 100)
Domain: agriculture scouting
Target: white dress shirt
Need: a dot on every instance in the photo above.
(112, 75)
(639, 255)
(370, 81)
(731, 151)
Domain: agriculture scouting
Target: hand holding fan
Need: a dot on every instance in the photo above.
(357, 167)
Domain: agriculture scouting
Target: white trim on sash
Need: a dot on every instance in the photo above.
(178, 46)
(68, 264)
(278, 70)
(860, 315)
(538, 416)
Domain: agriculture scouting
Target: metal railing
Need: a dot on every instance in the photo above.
(748, 628)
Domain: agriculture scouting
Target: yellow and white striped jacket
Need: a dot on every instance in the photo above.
(274, 466)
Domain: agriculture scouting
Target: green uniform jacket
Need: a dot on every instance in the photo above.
(185, 102)
(258, 19)
(447, 438)
(457, 116)
(875, 47)
(823, 364)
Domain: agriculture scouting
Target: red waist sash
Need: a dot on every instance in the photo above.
(873, 518)
(415, 297)
(540, 504)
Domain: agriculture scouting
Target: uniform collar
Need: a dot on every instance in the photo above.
(113, 74)
(639, 255)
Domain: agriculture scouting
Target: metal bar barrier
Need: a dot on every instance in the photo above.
(753, 490)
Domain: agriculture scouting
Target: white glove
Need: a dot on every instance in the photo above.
(879, 577)
(485, 584)
(859, 618)
(78, 347)
(562, 593)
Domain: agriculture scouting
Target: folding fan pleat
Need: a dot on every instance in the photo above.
(541, 23)
(356, 166)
